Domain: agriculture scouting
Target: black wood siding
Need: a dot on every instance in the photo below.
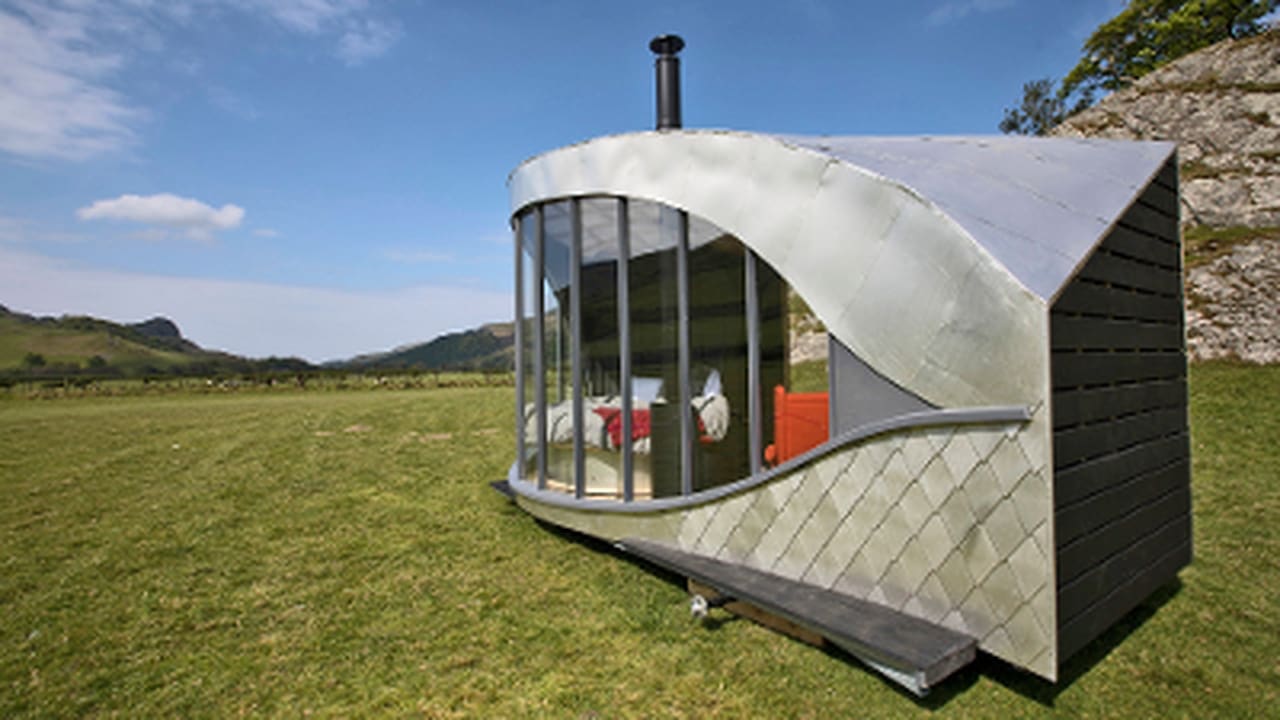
(1122, 456)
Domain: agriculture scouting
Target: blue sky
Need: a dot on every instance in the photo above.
(324, 178)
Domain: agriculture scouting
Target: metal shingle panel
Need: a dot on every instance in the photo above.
(1037, 205)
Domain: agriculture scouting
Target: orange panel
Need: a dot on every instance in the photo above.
(799, 423)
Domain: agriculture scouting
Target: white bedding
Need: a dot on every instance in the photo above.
(712, 411)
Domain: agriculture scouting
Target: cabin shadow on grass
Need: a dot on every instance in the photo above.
(1011, 678)
(1046, 693)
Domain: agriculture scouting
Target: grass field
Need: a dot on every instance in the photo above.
(340, 554)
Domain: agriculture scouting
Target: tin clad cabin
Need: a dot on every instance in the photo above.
(994, 456)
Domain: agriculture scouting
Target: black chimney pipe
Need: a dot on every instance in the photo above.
(667, 70)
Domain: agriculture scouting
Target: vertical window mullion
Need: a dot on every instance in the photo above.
(575, 346)
(624, 347)
(539, 343)
(519, 341)
(687, 428)
(752, 300)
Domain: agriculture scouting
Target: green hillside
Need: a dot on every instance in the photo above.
(77, 345)
(75, 341)
(488, 347)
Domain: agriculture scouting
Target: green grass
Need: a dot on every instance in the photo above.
(810, 376)
(1205, 244)
(340, 554)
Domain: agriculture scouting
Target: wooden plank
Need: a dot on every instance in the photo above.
(1094, 299)
(877, 634)
(1159, 251)
(1085, 442)
(1084, 479)
(1084, 627)
(1089, 551)
(1164, 199)
(1168, 175)
(1077, 332)
(1078, 519)
(758, 616)
(1119, 271)
(1073, 370)
(1085, 590)
(1151, 220)
(1078, 406)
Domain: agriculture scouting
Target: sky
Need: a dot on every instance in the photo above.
(325, 178)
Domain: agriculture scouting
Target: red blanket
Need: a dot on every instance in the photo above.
(613, 424)
(639, 425)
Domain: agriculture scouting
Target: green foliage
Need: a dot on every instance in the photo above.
(1203, 244)
(33, 360)
(1042, 108)
(1144, 36)
(1151, 33)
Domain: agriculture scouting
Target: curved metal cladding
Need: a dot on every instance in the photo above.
(891, 275)
(949, 522)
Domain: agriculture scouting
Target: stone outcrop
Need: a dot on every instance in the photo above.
(1233, 307)
(1222, 106)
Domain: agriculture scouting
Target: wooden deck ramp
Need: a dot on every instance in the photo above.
(912, 652)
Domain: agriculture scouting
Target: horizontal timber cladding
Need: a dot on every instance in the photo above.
(1077, 407)
(1095, 299)
(1122, 468)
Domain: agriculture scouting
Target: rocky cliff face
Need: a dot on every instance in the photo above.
(1222, 106)
(1232, 307)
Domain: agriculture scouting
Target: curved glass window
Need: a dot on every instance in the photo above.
(654, 348)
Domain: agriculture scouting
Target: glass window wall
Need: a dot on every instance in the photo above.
(683, 338)
(528, 281)
(557, 247)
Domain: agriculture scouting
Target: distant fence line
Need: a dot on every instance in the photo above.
(318, 380)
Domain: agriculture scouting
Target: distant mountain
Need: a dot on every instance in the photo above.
(33, 346)
(488, 347)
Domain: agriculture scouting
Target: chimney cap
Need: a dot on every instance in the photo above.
(666, 44)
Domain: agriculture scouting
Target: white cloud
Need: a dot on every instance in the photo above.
(360, 37)
(307, 16)
(954, 10)
(266, 233)
(365, 40)
(252, 319)
(60, 58)
(199, 220)
(54, 100)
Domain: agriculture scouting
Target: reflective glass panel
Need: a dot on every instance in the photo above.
(718, 357)
(557, 247)
(530, 282)
(602, 405)
(793, 367)
(654, 318)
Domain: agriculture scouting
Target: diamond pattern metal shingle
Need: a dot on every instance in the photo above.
(948, 524)
(963, 539)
